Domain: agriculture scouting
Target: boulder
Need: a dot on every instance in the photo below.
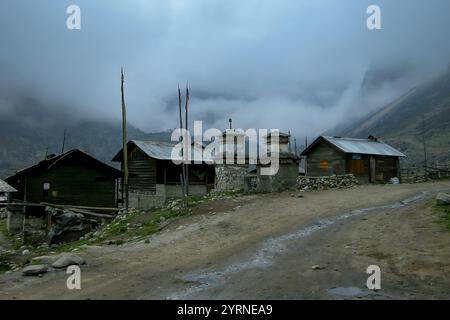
(68, 260)
(34, 270)
(45, 259)
(443, 199)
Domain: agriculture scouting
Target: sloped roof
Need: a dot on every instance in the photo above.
(358, 146)
(50, 162)
(158, 150)
(4, 187)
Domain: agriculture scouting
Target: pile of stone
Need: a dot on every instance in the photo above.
(326, 182)
(420, 178)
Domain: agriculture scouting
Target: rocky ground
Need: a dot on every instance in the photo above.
(291, 245)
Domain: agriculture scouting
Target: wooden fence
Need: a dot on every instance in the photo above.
(436, 170)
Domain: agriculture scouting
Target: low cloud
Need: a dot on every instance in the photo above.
(288, 64)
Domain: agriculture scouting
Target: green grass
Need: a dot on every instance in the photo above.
(444, 214)
(16, 242)
(158, 218)
(69, 246)
(3, 226)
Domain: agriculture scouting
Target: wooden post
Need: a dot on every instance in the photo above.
(186, 180)
(183, 168)
(372, 170)
(64, 142)
(124, 144)
(424, 149)
(295, 146)
(438, 169)
(165, 173)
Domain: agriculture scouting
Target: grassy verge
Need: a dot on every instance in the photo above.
(444, 214)
(125, 227)
(16, 241)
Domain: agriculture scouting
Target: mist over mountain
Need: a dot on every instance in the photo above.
(30, 129)
(423, 113)
(298, 65)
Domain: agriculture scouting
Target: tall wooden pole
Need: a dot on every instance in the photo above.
(424, 148)
(124, 145)
(187, 145)
(64, 142)
(295, 146)
(183, 180)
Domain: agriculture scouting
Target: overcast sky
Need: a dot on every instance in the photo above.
(289, 64)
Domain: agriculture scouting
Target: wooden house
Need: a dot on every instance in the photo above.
(154, 177)
(370, 160)
(71, 178)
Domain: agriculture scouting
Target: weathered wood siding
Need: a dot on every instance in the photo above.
(142, 172)
(386, 168)
(324, 160)
(70, 184)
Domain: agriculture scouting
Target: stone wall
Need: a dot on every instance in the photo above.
(230, 177)
(147, 200)
(174, 191)
(326, 182)
(286, 178)
(163, 192)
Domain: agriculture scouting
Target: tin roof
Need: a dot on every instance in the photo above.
(358, 146)
(159, 150)
(4, 187)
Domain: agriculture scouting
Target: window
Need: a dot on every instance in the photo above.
(323, 164)
(46, 189)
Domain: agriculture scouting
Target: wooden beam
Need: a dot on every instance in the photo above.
(98, 209)
(373, 171)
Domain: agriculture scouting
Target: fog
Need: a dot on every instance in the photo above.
(299, 65)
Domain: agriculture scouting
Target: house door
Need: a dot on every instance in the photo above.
(356, 166)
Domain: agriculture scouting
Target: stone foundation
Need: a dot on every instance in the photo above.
(163, 192)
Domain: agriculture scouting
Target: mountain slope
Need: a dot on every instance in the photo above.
(30, 130)
(424, 109)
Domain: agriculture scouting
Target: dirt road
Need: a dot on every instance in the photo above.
(265, 246)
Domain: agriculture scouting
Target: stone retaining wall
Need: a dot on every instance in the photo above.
(326, 182)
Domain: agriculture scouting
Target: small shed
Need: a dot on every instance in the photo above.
(5, 191)
(370, 160)
(154, 177)
(71, 178)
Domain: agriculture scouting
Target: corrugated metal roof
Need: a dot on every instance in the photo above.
(4, 187)
(163, 150)
(363, 146)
